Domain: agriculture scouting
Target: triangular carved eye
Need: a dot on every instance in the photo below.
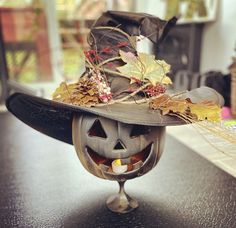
(138, 130)
(97, 130)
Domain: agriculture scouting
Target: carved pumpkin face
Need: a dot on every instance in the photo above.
(99, 141)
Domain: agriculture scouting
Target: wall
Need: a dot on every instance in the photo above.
(154, 7)
(219, 39)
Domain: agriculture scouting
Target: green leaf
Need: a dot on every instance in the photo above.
(144, 67)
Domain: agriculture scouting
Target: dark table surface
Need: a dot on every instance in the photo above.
(43, 184)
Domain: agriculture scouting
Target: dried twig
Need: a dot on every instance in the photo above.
(126, 97)
(109, 60)
(133, 44)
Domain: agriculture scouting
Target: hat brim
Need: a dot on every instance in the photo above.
(55, 119)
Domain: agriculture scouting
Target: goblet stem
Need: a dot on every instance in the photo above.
(121, 202)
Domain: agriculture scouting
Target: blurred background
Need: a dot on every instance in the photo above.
(42, 43)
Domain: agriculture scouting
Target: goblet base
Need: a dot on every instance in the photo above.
(121, 202)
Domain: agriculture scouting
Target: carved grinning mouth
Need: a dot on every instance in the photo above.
(134, 162)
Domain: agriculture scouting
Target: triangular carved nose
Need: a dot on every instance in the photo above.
(119, 145)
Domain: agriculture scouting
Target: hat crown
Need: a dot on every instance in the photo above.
(115, 31)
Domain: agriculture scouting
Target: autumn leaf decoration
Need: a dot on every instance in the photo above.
(185, 109)
(144, 67)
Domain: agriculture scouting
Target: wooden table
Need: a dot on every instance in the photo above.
(43, 184)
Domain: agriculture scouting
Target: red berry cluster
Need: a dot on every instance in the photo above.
(106, 50)
(122, 44)
(155, 90)
(92, 56)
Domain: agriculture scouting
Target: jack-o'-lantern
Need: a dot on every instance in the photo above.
(100, 141)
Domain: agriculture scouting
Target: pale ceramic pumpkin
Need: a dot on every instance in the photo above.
(99, 141)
